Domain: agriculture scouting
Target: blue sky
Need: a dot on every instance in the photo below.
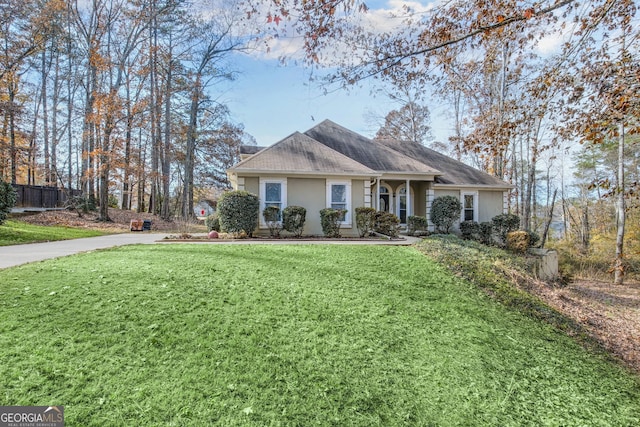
(273, 100)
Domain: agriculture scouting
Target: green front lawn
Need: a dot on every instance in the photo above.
(288, 335)
(17, 232)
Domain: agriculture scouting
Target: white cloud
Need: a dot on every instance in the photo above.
(386, 17)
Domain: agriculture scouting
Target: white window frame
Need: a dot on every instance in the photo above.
(263, 195)
(475, 205)
(399, 196)
(347, 219)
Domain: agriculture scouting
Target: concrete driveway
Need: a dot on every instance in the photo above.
(11, 256)
(22, 254)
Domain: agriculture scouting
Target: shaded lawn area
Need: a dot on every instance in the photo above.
(14, 232)
(288, 335)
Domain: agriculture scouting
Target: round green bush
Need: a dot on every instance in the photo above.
(212, 222)
(8, 199)
(445, 211)
(365, 220)
(387, 224)
(271, 215)
(504, 224)
(331, 219)
(238, 212)
(417, 224)
(293, 219)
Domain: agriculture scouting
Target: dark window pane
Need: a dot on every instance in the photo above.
(338, 193)
(273, 192)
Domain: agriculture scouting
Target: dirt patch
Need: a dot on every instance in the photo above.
(610, 313)
(120, 221)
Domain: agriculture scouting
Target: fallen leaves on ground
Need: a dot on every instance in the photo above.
(120, 221)
(610, 313)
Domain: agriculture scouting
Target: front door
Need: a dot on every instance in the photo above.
(385, 199)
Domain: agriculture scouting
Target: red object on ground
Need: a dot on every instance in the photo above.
(213, 234)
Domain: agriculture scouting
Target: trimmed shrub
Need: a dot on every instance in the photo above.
(387, 224)
(470, 230)
(486, 233)
(238, 212)
(417, 224)
(8, 199)
(445, 211)
(518, 241)
(534, 239)
(293, 219)
(212, 222)
(331, 219)
(482, 233)
(503, 224)
(271, 215)
(365, 220)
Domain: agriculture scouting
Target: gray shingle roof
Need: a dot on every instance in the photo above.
(250, 149)
(453, 171)
(299, 153)
(366, 151)
(329, 148)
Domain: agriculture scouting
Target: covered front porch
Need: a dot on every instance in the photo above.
(391, 195)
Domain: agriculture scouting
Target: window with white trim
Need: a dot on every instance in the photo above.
(273, 192)
(469, 202)
(339, 197)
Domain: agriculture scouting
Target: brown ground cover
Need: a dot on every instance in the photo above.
(120, 220)
(610, 313)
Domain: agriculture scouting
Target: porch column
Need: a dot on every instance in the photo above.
(430, 196)
(408, 200)
(378, 194)
(367, 194)
(505, 202)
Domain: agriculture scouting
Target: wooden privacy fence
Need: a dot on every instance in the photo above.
(38, 196)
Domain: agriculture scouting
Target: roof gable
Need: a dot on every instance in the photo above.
(298, 153)
(366, 151)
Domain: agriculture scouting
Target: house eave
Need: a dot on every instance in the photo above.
(306, 174)
(402, 176)
(473, 186)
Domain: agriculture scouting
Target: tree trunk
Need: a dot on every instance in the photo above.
(45, 119)
(187, 191)
(166, 161)
(54, 123)
(585, 229)
(126, 179)
(12, 133)
(543, 239)
(105, 165)
(620, 206)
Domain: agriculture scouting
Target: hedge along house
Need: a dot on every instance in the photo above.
(331, 166)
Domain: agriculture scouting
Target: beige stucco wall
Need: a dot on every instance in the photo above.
(252, 185)
(419, 200)
(489, 202)
(440, 193)
(310, 193)
(489, 205)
